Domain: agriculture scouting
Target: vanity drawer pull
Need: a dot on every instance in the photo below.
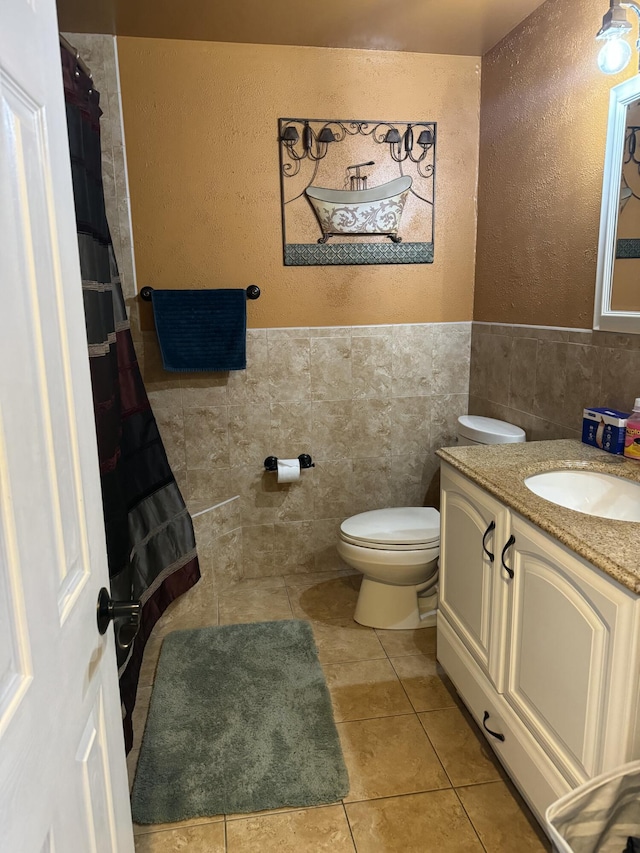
(510, 542)
(496, 735)
(491, 527)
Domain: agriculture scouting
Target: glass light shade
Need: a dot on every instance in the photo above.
(392, 136)
(614, 56)
(425, 138)
(290, 134)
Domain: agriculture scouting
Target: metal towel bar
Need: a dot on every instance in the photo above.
(253, 292)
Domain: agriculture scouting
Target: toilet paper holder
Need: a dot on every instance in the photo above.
(271, 462)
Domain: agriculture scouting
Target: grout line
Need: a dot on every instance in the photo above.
(531, 326)
(473, 826)
(476, 784)
(344, 808)
(238, 816)
(293, 616)
(433, 747)
(404, 690)
(397, 796)
(349, 660)
(410, 713)
(173, 826)
(534, 384)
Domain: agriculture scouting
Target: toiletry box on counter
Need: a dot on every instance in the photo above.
(539, 619)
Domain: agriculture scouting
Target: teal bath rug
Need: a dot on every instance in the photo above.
(240, 720)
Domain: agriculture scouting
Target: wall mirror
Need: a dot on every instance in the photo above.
(617, 303)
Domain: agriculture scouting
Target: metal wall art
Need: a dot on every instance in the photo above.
(629, 212)
(357, 192)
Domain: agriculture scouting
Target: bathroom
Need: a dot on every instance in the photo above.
(367, 368)
(364, 367)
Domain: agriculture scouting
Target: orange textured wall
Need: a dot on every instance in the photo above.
(201, 133)
(542, 140)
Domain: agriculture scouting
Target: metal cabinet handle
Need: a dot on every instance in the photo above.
(496, 735)
(126, 613)
(510, 542)
(491, 527)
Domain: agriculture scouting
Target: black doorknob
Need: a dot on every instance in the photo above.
(126, 615)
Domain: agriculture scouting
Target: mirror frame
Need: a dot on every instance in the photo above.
(604, 317)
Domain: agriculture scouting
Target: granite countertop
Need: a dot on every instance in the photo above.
(612, 546)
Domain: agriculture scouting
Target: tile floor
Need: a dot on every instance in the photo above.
(422, 777)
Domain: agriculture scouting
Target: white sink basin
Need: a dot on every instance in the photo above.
(604, 495)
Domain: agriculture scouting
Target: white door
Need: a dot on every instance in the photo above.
(472, 598)
(63, 784)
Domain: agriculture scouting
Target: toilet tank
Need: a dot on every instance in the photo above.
(474, 429)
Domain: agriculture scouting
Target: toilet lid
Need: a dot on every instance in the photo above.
(406, 525)
(489, 430)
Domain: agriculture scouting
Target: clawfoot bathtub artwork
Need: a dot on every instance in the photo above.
(331, 213)
(365, 212)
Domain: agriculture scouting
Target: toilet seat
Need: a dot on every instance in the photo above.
(393, 529)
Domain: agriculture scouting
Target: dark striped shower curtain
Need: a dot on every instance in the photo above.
(150, 542)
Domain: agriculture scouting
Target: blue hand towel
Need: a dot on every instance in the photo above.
(201, 329)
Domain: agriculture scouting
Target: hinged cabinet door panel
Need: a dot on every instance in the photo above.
(474, 528)
(569, 625)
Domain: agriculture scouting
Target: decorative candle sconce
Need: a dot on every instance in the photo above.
(322, 188)
(401, 147)
(314, 146)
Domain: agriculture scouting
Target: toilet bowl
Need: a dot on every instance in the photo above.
(397, 548)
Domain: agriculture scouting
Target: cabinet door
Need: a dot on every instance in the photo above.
(571, 642)
(474, 530)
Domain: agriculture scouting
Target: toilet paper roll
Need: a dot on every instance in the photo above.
(288, 470)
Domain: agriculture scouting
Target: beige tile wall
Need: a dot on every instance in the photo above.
(541, 378)
(370, 404)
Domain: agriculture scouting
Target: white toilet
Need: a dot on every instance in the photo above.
(397, 548)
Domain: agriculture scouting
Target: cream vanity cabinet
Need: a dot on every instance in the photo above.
(541, 646)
